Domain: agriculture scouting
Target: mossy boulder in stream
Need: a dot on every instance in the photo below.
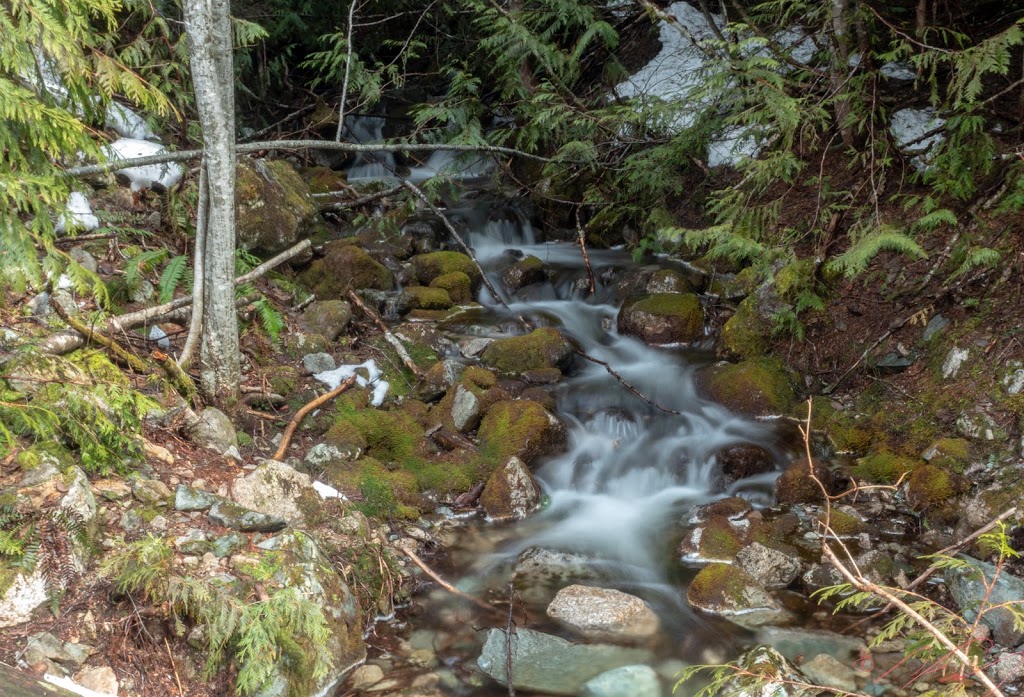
(520, 428)
(345, 266)
(427, 267)
(457, 284)
(423, 298)
(752, 388)
(663, 318)
(727, 591)
(522, 272)
(746, 333)
(274, 206)
(933, 492)
(542, 348)
(510, 493)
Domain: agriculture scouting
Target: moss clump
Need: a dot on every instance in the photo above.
(345, 266)
(844, 524)
(663, 318)
(756, 388)
(427, 267)
(847, 433)
(669, 281)
(882, 467)
(521, 428)
(457, 284)
(481, 377)
(283, 379)
(541, 348)
(796, 485)
(421, 298)
(42, 453)
(96, 364)
(273, 205)
(746, 333)
(322, 180)
(718, 585)
(949, 453)
(719, 540)
(932, 490)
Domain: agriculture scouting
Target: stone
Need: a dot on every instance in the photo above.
(627, 681)
(796, 485)
(604, 614)
(151, 492)
(214, 430)
(194, 541)
(1014, 382)
(540, 573)
(427, 267)
(827, 671)
(224, 545)
(948, 453)
(425, 298)
(328, 318)
(344, 266)
(549, 664)
(936, 325)
(111, 489)
(722, 589)
(521, 428)
(776, 676)
(322, 455)
(86, 260)
(744, 460)
(541, 348)
(471, 348)
(277, 490)
(231, 515)
(63, 653)
(796, 644)
(954, 361)
(438, 378)
(188, 499)
(510, 492)
(769, 566)
(318, 362)
(932, 490)
(365, 676)
(522, 272)
(101, 679)
(663, 318)
(1009, 667)
(968, 590)
(273, 206)
(457, 284)
(465, 410)
(754, 388)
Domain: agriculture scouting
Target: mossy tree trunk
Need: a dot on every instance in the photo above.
(208, 25)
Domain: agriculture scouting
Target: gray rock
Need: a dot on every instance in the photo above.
(224, 545)
(159, 337)
(969, 592)
(774, 676)
(954, 361)
(825, 670)
(465, 410)
(86, 260)
(323, 454)
(188, 499)
(510, 492)
(731, 593)
(194, 541)
(604, 614)
(936, 325)
(438, 379)
(64, 653)
(318, 362)
(1009, 667)
(769, 566)
(549, 664)
(1014, 382)
(275, 489)
(795, 643)
(143, 292)
(101, 679)
(472, 348)
(328, 318)
(151, 492)
(214, 430)
(158, 523)
(366, 676)
(627, 681)
(231, 515)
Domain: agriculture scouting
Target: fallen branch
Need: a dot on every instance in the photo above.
(582, 235)
(388, 336)
(627, 385)
(510, 629)
(361, 201)
(449, 587)
(301, 414)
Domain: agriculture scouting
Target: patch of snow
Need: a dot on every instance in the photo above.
(327, 492)
(898, 71)
(732, 147)
(160, 337)
(333, 378)
(165, 175)
(64, 283)
(78, 217)
(908, 126)
(127, 123)
(71, 686)
(799, 43)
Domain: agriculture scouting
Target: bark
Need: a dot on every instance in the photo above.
(840, 68)
(208, 25)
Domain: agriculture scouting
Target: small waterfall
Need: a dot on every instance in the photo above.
(369, 165)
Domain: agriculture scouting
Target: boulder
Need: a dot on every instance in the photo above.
(99, 679)
(425, 298)
(654, 279)
(275, 489)
(427, 267)
(663, 318)
(19, 683)
(457, 284)
(437, 379)
(328, 318)
(969, 592)
(273, 206)
(604, 614)
(795, 484)
(522, 272)
(213, 430)
(231, 515)
(510, 492)
(746, 334)
(542, 348)
(342, 267)
(520, 428)
(718, 539)
(764, 672)
(724, 590)
(465, 409)
(634, 681)
(769, 566)
(318, 363)
(188, 499)
(549, 664)
(752, 388)
(932, 490)
(742, 461)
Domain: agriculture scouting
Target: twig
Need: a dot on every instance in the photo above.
(174, 668)
(88, 334)
(509, 632)
(301, 414)
(361, 201)
(269, 264)
(388, 336)
(627, 385)
(583, 247)
(447, 586)
(71, 239)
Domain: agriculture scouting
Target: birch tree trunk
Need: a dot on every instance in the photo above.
(208, 25)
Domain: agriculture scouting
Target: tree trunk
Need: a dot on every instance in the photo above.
(841, 69)
(208, 25)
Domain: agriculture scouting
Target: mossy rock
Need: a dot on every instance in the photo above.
(324, 180)
(654, 279)
(663, 318)
(345, 266)
(521, 273)
(96, 364)
(753, 388)
(724, 589)
(719, 540)
(948, 453)
(283, 379)
(427, 267)
(796, 485)
(328, 318)
(746, 333)
(847, 432)
(933, 492)
(844, 524)
(423, 298)
(882, 467)
(541, 348)
(481, 377)
(295, 345)
(522, 429)
(274, 207)
(457, 284)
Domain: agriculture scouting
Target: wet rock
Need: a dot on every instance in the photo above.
(821, 576)
(663, 318)
(318, 362)
(796, 485)
(955, 360)
(764, 672)
(522, 272)
(510, 492)
(744, 460)
(457, 284)
(465, 410)
(427, 267)
(721, 589)
(718, 539)
(795, 643)
(969, 591)
(438, 378)
(328, 318)
(654, 279)
(151, 492)
(549, 664)
(276, 489)
(604, 614)
(426, 298)
(769, 566)
(541, 572)
(214, 430)
(345, 266)
(541, 348)
(932, 490)
(101, 679)
(635, 681)
(747, 332)
(520, 428)
(273, 205)
(231, 515)
(732, 508)
(752, 388)
(825, 670)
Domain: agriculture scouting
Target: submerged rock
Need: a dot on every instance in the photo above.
(541, 572)
(604, 614)
(744, 460)
(663, 318)
(551, 665)
(510, 492)
(634, 681)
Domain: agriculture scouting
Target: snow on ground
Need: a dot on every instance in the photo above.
(333, 378)
(908, 125)
(78, 217)
(164, 175)
(128, 124)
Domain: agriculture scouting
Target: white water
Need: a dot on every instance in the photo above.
(369, 165)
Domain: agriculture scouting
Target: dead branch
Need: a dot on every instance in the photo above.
(627, 385)
(582, 235)
(301, 414)
(388, 336)
(449, 587)
(362, 200)
(510, 628)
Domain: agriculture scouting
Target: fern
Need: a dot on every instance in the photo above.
(175, 272)
(855, 259)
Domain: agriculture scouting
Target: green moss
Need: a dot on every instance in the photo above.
(421, 298)
(427, 267)
(42, 452)
(541, 348)
(273, 206)
(950, 453)
(746, 333)
(843, 524)
(96, 364)
(931, 490)
(481, 377)
(345, 266)
(847, 433)
(458, 285)
(719, 540)
(882, 467)
(283, 379)
(322, 180)
(718, 584)
(520, 428)
(683, 308)
(757, 387)
(795, 484)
